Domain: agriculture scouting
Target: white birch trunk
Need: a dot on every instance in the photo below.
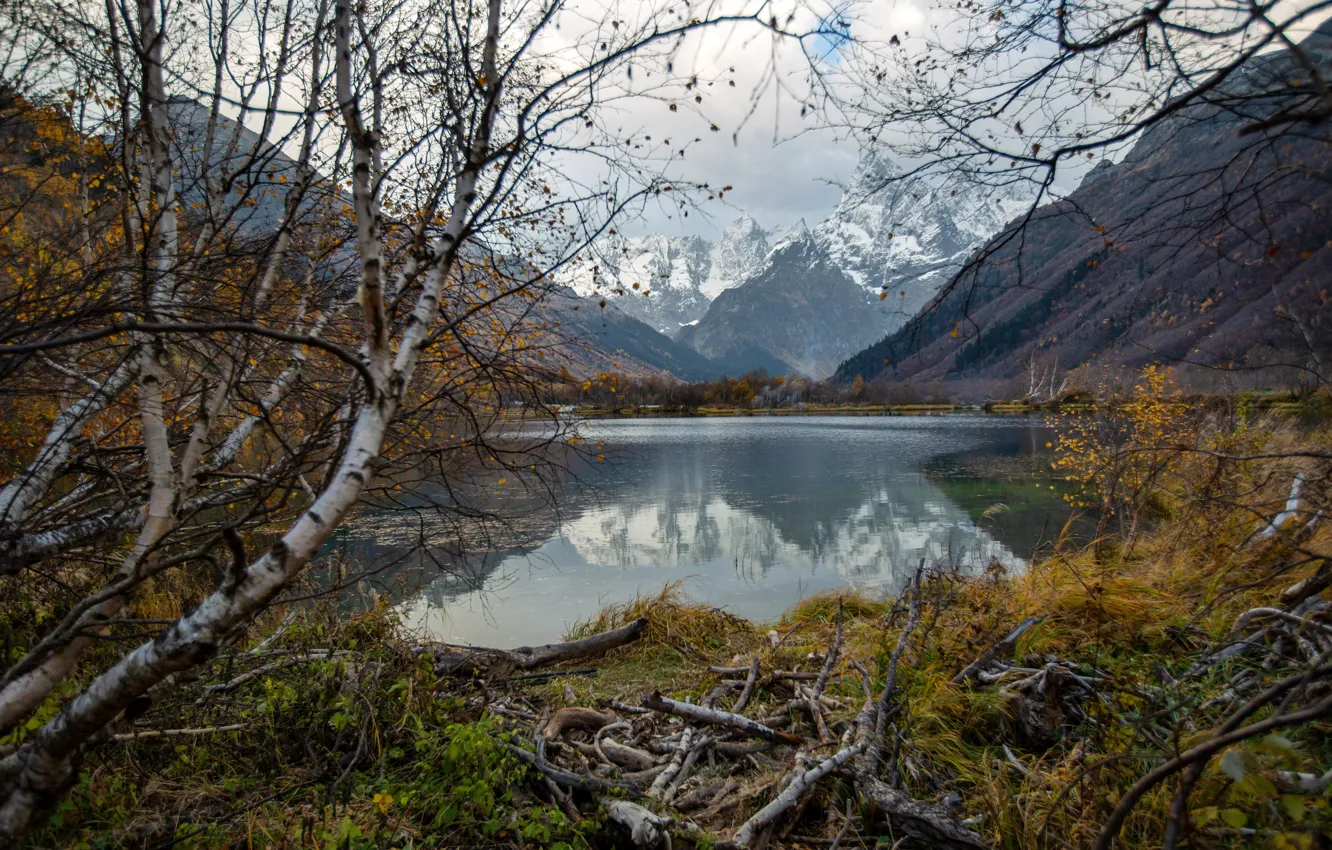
(41, 768)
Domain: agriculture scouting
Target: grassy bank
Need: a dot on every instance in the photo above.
(323, 731)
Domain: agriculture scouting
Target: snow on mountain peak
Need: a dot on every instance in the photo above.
(904, 235)
(737, 254)
(797, 234)
(668, 281)
(908, 234)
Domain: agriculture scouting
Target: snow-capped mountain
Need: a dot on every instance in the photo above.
(903, 236)
(668, 282)
(798, 313)
(909, 235)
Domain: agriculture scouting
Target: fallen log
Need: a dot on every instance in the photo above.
(461, 660)
(716, 717)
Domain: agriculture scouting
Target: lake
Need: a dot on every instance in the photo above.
(752, 513)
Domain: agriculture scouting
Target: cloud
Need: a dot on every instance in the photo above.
(752, 87)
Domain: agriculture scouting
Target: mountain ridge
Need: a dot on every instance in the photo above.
(1203, 247)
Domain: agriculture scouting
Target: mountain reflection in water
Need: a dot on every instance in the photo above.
(753, 512)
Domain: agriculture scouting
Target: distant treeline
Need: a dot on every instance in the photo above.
(757, 389)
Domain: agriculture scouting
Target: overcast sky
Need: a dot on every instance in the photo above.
(781, 167)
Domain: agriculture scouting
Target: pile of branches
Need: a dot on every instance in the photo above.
(667, 770)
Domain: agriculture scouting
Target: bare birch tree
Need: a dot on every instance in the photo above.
(300, 255)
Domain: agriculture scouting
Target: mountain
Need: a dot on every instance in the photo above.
(594, 339)
(799, 312)
(668, 282)
(889, 233)
(1204, 245)
(907, 236)
(601, 339)
(736, 255)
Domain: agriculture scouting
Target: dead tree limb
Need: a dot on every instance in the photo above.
(455, 660)
(801, 781)
(663, 780)
(928, 824)
(815, 709)
(716, 717)
(750, 681)
(646, 829)
(1003, 647)
(577, 718)
(537, 760)
(178, 733)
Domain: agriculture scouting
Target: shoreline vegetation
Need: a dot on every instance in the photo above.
(1317, 405)
(1163, 686)
(757, 393)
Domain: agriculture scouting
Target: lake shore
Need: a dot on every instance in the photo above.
(1015, 706)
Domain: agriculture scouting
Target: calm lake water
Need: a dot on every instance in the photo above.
(752, 513)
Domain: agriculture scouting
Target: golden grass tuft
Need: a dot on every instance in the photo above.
(857, 604)
(674, 620)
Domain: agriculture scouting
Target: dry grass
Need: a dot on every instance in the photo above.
(674, 620)
(1117, 608)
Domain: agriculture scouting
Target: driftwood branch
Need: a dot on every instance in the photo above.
(577, 718)
(716, 717)
(801, 781)
(1279, 521)
(928, 824)
(663, 780)
(178, 733)
(455, 660)
(815, 708)
(750, 681)
(538, 761)
(1003, 647)
(646, 829)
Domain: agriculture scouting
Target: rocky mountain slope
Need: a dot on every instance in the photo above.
(602, 339)
(593, 339)
(799, 313)
(1203, 246)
